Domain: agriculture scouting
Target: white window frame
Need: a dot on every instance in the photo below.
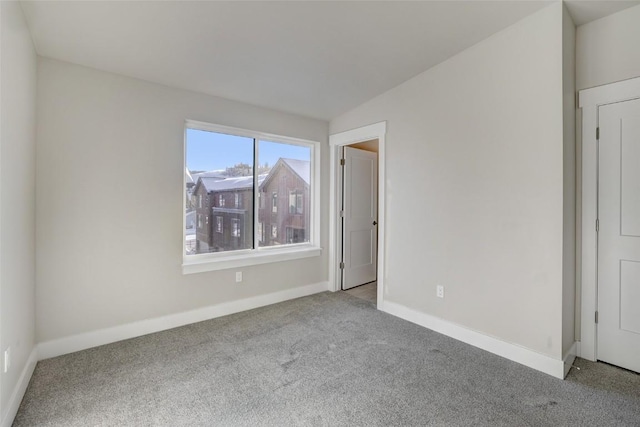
(260, 254)
(219, 224)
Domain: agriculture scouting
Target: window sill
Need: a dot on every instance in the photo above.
(264, 256)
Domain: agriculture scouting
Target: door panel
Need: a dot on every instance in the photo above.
(360, 191)
(619, 235)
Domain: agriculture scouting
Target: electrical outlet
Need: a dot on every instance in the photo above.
(440, 291)
(238, 276)
(7, 359)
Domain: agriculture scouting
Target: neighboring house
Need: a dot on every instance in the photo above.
(224, 213)
(284, 203)
(191, 179)
(224, 208)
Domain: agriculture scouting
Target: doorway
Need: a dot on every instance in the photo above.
(618, 327)
(357, 212)
(359, 218)
(610, 224)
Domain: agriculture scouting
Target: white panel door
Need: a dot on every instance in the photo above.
(359, 231)
(618, 326)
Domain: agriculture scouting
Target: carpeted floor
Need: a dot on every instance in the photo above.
(326, 360)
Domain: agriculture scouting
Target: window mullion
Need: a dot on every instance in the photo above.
(256, 191)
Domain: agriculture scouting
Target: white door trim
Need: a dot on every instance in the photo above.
(589, 101)
(336, 141)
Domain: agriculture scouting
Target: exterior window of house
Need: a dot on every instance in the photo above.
(295, 202)
(235, 227)
(258, 170)
(260, 232)
(295, 235)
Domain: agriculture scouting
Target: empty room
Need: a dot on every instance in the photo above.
(319, 213)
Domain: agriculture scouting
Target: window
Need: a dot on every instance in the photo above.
(248, 170)
(295, 202)
(261, 232)
(235, 228)
(295, 235)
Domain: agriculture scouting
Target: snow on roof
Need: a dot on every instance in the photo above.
(301, 167)
(212, 181)
(219, 174)
(236, 183)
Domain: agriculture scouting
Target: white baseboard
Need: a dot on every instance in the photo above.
(510, 351)
(20, 389)
(569, 358)
(86, 340)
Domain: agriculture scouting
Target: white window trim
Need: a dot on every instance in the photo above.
(260, 255)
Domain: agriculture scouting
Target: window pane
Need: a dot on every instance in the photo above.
(285, 178)
(219, 179)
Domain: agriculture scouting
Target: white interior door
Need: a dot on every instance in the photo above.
(618, 328)
(359, 231)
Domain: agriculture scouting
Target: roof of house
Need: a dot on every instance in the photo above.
(300, 167)
(214, 183)
(219, 174)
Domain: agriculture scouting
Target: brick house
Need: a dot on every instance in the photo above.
(224, 212)
(224, 208)
(284, 212)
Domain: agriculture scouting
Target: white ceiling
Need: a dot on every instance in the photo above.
(316, 59)
(585, 11)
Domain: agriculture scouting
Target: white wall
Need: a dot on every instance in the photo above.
(109, 191)
(607, 49)
(474, 165)
(569, 189)
(17, 202)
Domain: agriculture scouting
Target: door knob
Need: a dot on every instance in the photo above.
(375, 222)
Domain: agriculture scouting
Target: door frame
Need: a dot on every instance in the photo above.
(336, 142)
(589, 101)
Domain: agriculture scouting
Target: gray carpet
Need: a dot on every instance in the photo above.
(325, 360)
